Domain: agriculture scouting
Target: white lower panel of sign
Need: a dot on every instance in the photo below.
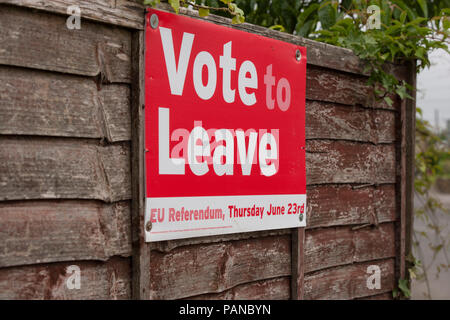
(187, 217)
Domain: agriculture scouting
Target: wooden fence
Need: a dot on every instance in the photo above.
(71, 106)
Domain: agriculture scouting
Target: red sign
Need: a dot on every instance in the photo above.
(224, 129)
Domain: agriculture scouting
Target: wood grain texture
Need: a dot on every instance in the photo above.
(341, 122)
(272, 289)
(195, 270)
(348, 162)
(334, 205)
(348, 282)
(333, 86)
(42, 103)
(382, 296)
(118, 12)
(169, 245)
(141, 249)
(63, 169)
(52, 231)
(406, 185)
(42, 41)
(99, 280)
(215, 268)
(297, 263)
(50, 104)
(331, 247)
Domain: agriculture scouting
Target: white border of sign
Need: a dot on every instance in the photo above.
(187, 217)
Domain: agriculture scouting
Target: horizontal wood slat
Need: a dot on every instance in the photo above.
(215, 268)
(272, 289)
(52, 231)
(195, 270)
(75, 169)
(99, 280)
(42, 41)
(63, 169)
(334, 86)
(330, 247)
(50, 104)
(348, 282)
(340, 122)
(382, 296)
(123, 13)
(42, 103)
(334, 205)
(348, 162)
(169, 245)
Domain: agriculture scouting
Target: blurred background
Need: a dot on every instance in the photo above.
(432, 220)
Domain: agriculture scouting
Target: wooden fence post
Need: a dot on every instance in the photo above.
(141, 249)
(298, 263)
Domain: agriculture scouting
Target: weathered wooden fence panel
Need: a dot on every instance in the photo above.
(71, 190)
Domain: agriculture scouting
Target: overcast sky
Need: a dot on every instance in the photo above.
(433, 86)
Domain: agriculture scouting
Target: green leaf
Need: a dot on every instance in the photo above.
(303, 17)
(237, 19)
(389, 101)
(203, 12)
(423, 5)
(175, 4)
(420, 53)
(403, 17)
(403, 286)
(151, 3)
(446, 22)
(346, 4)
(395, 293)
(278, 27)
(402, 92)
(305, 29)
(327, 15)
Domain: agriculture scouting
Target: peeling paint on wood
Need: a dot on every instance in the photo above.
(333, 86)
(195, 270)
(334, 121)
(42, 41)
(330, 247)
(52, 231)
(348, 162)
(215, 268)
(63, 169)
(99, 280)
(118, 12)
(48, 104)
(348, 282)
(272, 289)
(343, 205)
